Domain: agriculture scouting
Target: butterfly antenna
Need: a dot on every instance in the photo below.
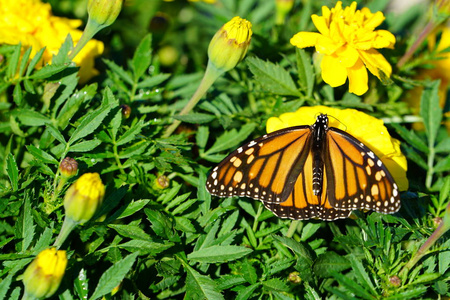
(338, 121)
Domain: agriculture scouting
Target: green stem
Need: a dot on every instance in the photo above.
(89, 31)
(425, 32)
(211, 74)
(430, 171)
(66, 229)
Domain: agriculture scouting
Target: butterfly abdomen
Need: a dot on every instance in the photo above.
(319, 130)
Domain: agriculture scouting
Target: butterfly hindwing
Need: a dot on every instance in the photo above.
(264, 169)
(359, 179)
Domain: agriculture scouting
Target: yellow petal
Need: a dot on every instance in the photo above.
(326, 45)
(384, 39)
(375, 19)
(358, 78)
(347, 56)
(305, 39)
(321, 24)
(375, 62)
(333, 72)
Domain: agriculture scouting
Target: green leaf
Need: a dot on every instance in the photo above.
(30, 117)
(411, 138)
(130, 231)
(37, 57)
(133, 207)
(249, 272)
(92, 120)
(27, 225)
(231, 139)
(42, 155)
(47, 71)
(430, 110)
(443, 146)
(131, 133)
(305, 71)
(17, 95)
(216, 254)
(56, 133)
(145, 247)
(24, 61)
(199, 286)
(443, 165)
(361, 274)
(202, 136)
(113, 276)
(275, 284)
(272, 77)
(119, 71)
(4, 286)
(142, 57)
(247, 292)
(330, 262)
(352, 286)
(13, 62)
(81, 285)
(152, 81)
(85, 146)
(195, 118)
(13, 171)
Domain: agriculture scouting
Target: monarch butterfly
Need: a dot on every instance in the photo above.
(305, 172)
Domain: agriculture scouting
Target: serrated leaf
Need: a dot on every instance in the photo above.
(85, 146)
(152, 81)
(442, 165)
(411, 138)
(131, 133)
(27, 225)
(249, 272)
(361, 274)
(37, 57)
(24, 61)
(200, 286)
(305, 71)
(195, 118)
(430, 111)
(133, 207)
(275, 284)
(92, 120)
(231, 139)
(13, 62)
(47, 71)
(272, 77)
(216, 254)
(130, 231)
(42, 155)
(81, 284)
(142, 57)
(443, 146)
(13, 171)
(350, 284)
(119, 71)
(247, 292)
(145, 247)
(113, 276)
(30, 117)
(56, 133)
(202, 136)
(330, 262)
(4, 286)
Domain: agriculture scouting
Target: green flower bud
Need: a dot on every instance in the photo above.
(84, 197)
(230, 44)
(104, 12)
(68, 167)
(43, 276)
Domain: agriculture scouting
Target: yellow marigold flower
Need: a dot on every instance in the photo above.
(230, 44)
(367, 129)
(348, 42)
(84, 197)
(43, 276)
(32, 23)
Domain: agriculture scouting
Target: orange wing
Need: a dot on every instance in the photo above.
(357, 177)
(265, 169)
(302, 204)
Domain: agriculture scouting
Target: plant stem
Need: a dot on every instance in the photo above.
(292, 228)
(66, 229)
(425, 32)
(211, 74)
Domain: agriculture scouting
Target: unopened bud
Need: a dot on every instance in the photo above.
(294, 277)
(104, 12)
(161, 182)
(230, 44)
(43, 276)
(126, 111)
(68, 167)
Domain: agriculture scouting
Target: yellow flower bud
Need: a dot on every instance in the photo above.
(104, 12)
(230, 44)
(68, 167)
(43, 276)
(84, 197)
(283, 7)
(161, 182)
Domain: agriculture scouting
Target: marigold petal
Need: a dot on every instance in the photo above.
(326, 45)
(383, 39)
(305, 39)
(321, 24)
(376, 63)
(333, 72)
(358, 78)
(348, 56)
(375, 19)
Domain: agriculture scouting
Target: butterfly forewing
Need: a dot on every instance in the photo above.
(359, 179)
(264, 169)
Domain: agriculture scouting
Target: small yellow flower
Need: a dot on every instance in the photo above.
(84, 197)
(348, 42)
(32, 23)
(367, 129)
(43, 276)
(104, 12)
(230, 44)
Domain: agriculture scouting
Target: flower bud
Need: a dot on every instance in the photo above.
(161, 182)
(126, 111)
(68, 167)
(395, 281)
(43, 276)
(283, 7)
(230, 44)
(294, 277)
(104, 12)
(84, 197)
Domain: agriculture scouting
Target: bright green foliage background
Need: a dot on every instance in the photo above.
(179, 242)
